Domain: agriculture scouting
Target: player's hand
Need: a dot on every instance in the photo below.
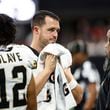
(50, 63)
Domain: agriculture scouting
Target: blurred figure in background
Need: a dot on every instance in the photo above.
(103, 102)
(85, 73)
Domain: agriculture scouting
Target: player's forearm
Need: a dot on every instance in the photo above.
(32, 101)
(41, 79)
(32, 107)
(77, 93)
(76, 89)
(89, 104)
(92, 93)
(31, 96)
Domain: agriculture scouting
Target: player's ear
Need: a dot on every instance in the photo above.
(36, 29)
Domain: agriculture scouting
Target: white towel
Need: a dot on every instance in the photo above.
(59, 99)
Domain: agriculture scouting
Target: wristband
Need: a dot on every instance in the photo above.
(73, 83)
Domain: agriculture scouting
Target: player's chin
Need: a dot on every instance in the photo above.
(52, 42)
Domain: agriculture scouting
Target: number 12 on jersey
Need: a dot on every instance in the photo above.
(4, 102)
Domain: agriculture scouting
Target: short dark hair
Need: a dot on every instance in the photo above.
(7, 29)
(39, 17)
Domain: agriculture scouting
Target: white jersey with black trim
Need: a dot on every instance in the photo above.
(15, 74)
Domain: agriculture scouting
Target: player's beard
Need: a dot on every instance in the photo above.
(43, 42)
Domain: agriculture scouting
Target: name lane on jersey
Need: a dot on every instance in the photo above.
(10, 57)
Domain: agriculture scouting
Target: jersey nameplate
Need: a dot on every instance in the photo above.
(10, 58)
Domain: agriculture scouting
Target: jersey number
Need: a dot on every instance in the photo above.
(4, 103)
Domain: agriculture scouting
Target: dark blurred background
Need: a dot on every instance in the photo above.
(88, 19)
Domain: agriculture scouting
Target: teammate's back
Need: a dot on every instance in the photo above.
(17, 86)
(15, 76)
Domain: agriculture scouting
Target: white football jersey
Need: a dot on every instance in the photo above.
(16, 64)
